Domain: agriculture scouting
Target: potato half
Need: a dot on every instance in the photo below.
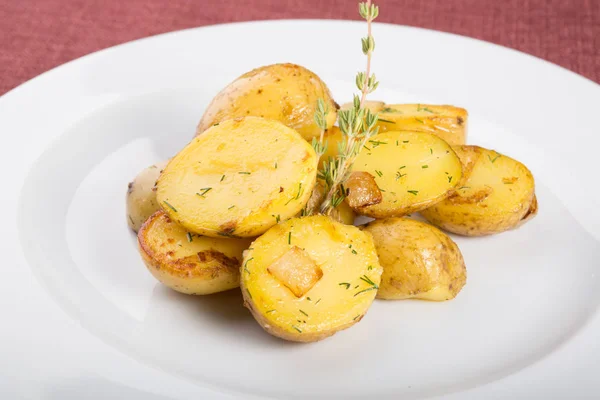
(307, 278)
(141, 196)
(447, 122)
(186, 262)
(419, 261)
(497, 193)
(239, 178)
(284, 92)
(412, 169)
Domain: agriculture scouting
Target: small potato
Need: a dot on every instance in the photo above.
(238, 178)
(287, 93)
(141, 196)
(447, 122)
(373, 105)
(332, 137)
(189, 263)
(413, 170)
(497, 193)
(419, 261)
(307, 278)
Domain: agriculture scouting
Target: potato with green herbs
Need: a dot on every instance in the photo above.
(141, 196)
(413, 170)
(287, 93)
(186, 262)
(307, 278)
(447, 122)
(238, 178)
(497, 193)
(419, 261)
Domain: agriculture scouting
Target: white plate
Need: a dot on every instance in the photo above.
(82, 318)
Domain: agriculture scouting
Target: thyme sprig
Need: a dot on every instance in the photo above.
(358, 124)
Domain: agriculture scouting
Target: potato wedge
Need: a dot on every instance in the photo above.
(287, 93)
(447, 122)
(141, 196)
(307, 278)
(496, 194)
(412, 169)
(186, 262)
(419, 261)
(238, 178)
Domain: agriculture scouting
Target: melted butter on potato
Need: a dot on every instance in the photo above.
(337, 274)
(287, 93)
(413, 170)
(497, 193)
(419, 261)
(239, 178)
(186, 262)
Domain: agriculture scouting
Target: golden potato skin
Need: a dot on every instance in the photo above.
(350, 276)
(413, 170)
(287, 93)
(447, 122)
(496, 194)
(141, 196)
(419, 261)
(238, 178)
(189, 263)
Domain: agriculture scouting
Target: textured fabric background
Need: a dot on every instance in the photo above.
(37, 35)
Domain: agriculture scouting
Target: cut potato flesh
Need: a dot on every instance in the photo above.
(186, 262)
(309, 277)
(496, 194)
(419, 261)
(238, 178)
(412, 169)
(287, 93)
(447, 122)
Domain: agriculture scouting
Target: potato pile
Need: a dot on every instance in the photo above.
(231, 208)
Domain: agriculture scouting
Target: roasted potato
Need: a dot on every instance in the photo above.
(413, 170)
(496, 193)
(238, 178)
(141, 196)
(332, 137)
(287, 93)
(447, 122)
(186, 262)
(373, 105)
(307, 278)
(342, 213)
(419, 261)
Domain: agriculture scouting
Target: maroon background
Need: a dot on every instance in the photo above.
(36, 35)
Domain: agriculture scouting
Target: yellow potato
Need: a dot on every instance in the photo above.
(497, 193)
(373, 105)
(332, 137)
(141, 196)
(307, 278)
(189, 263)
(412, 169)
(447, 122)
(419, 261)
(287, 93)
(239, 178)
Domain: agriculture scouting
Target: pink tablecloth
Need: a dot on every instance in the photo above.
(37, 35)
